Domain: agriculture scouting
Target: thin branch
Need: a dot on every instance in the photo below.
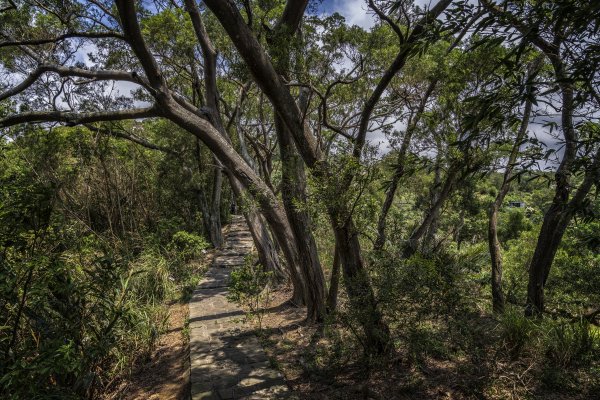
(393, 69)
(132, 138)
(98, 75)
(388, 20)
(550, 49)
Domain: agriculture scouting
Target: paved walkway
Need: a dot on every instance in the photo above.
(227, 360)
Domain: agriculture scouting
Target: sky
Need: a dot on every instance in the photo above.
(356, 12)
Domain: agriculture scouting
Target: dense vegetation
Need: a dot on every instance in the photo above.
(129, 131)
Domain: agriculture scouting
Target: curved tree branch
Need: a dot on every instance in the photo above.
(37, 42)
(132, 138)
(97, 75)
(133, 35)
(70, 118)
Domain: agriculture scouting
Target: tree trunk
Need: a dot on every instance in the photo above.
(493, 242)
(400, 168)
(334, 283)
(555, 223)
(559, 214)
(496, 256)
(358, 286)
(293, 177)
(211, 213)
(432, 214)
(293, 193)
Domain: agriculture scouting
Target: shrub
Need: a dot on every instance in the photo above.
(186, 246)
(152, 282)
(249, 287)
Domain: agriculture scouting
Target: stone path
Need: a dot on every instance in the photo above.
(227, 360)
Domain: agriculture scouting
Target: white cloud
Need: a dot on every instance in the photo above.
(356, 12)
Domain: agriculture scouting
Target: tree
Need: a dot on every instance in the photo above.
(565, 32)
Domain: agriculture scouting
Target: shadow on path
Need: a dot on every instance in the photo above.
(227, 360)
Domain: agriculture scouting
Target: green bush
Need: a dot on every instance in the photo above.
(187, 246)
(153, 281)
(249, 287)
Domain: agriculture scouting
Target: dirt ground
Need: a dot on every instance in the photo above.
(165, 375)
(321, 365)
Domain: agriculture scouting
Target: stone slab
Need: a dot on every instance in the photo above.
(226, 359)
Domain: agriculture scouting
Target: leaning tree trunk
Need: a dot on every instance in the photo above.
(293, 193)
(432, 214)
(211, 210)
(493, 242)
(559, 214)
(293, 177)
(555, 223)
(400, 168)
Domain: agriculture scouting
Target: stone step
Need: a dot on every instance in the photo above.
(229, 261)
(233, 251)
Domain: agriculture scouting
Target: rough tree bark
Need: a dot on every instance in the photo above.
(293, 177)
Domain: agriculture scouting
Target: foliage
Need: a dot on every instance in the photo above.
(187, 246)
(249, 286)
(80, 301)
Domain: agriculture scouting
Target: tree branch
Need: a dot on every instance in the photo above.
(398, 63)
(133, 35)
(132, 138)
(37, 42)
(524, 29)
(388, 20)
(99, 75)
(266, 77)
(292, 15)
(70, 118)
